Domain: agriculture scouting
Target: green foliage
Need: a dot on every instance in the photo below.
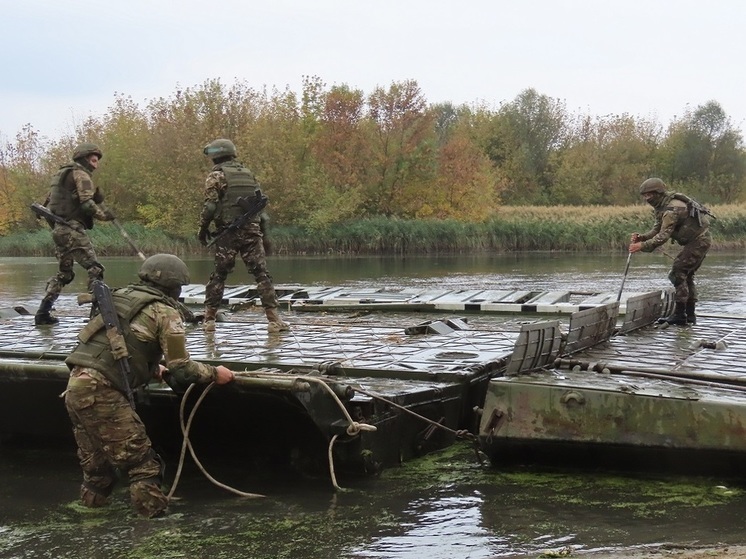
(335, 155)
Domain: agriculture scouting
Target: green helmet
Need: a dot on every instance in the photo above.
(85, 149)
(165, 270)
(652, 185)
(220, 148)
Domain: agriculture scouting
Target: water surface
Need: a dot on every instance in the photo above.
(441, 506)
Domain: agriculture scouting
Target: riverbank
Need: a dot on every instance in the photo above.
(511, 229)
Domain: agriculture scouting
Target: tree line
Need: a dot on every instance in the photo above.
(332, 155)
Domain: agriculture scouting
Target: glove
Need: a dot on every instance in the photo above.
(204, 235)
(108, 215)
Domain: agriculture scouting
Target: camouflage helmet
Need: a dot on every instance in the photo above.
(85, 149)
(652, 185)
(220, 148)
(165, 270)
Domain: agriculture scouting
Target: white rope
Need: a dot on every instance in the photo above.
(188, 444)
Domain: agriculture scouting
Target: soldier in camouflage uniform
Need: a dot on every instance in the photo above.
(228, 180)
(684, 221)
(108, 431)
(74, 198)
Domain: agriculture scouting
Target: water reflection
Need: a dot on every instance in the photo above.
(442, 526)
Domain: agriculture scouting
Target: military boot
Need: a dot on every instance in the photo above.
(208, 324)
(678, 317)
(275, 323)
(691, 318)
(43, 316)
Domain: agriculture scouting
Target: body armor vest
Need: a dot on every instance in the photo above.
(93, 349)
(240, 184)
(696, 222)
(63, 195)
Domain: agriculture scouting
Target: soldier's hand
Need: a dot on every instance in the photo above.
(267, 245)
(204, 235)
(108, 215)
(635, 237)
(224, 376)
(635, 247)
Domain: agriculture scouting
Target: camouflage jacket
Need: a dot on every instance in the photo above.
(675, 219)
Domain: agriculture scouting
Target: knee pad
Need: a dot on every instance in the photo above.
(96, 271)
(147, 498)
(62, 277)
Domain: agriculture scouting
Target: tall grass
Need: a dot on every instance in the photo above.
(529, 228)
(107, 241)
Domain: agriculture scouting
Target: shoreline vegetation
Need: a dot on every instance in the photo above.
(510, 229)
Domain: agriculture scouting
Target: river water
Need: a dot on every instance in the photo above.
(446, 505)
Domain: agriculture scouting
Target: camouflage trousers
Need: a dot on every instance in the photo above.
(110, 437)
(685, 266)
(248, 244)
(72, 245)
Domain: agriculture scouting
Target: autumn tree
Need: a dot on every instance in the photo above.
(527, 132)
(22, 178)
(465, 184)
(604, 160)
(402, 146)
(704, 153)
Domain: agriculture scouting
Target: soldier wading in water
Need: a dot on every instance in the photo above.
(109, 433)
(686, 222)
(229, 180)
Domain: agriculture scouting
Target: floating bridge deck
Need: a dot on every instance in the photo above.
(440, 366)
(409, 299)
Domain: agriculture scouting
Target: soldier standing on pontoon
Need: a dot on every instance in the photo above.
(683, 220)
(228, 180)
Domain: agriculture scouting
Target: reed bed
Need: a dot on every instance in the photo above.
(519, 228)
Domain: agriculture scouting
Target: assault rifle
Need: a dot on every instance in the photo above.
(252, 208)
(43, 211)
(102, 294)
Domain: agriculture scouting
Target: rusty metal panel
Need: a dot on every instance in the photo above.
(548, 407)
(642, 310)
(537, 346)
(591, 327)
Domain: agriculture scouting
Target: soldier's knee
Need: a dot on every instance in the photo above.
(94, 496)
(147, 498)
(62, 278)
(96, 271)
(263, 278)
(676, 277)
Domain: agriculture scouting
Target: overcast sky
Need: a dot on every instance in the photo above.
(64, 60)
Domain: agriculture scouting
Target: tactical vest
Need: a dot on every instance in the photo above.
(696, 222)
(63, 195)
(240, 184)
(93, 349)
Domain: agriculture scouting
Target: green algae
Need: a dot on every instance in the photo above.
(642, 496)
(310, 521)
